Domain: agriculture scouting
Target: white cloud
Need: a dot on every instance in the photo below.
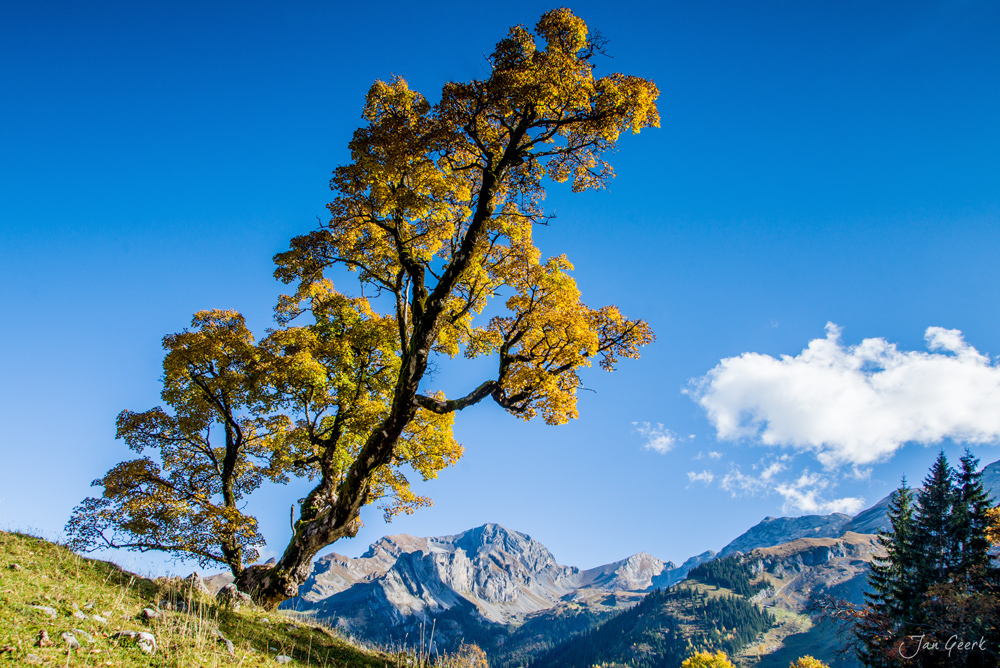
(738, 483)
(657, 438)
(856, 404)
(803, 495)
(715, 455)
(705, 477)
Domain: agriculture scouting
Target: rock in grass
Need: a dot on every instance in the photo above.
(195, 582)
(281, 658)
(233, 598)
(179, 606)
(34, 659)
(149, 613)
(147, 642)
(144, 641)
(87, 638)
(79, 615)
(70, 640)
(46, 610)
(230, 648)
(43, 639)
(15, 567)
(98, 619)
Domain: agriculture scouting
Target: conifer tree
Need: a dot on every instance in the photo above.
(971, 517)
(892, 600)
(934, 530)
(937, 583)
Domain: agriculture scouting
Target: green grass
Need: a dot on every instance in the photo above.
(35, 572)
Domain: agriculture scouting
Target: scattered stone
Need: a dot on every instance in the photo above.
(149, 613)
(46, 610)
(70, 640)
(230, 648)
(89, 605)
(15, 567)
(87, 638)
(145, 641)
(265, 621)
(35, 659)
(98, 619)
(79, 615)
(281, 658)
(43, 639)
(179, 606)
(233, 598)
(195, 582)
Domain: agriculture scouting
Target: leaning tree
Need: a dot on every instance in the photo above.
(434, 215)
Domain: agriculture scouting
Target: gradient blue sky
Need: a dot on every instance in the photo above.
(817, 162)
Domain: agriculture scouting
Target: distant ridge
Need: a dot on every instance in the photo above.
(777, 530)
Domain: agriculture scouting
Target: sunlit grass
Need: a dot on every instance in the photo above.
(35, 572)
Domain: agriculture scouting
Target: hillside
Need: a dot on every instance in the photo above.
(794, 576)
(777, 530)
(710, 610)
(83, 604)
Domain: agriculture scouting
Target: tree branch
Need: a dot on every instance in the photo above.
(451, 405)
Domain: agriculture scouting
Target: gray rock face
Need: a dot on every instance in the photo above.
(777, 530)
(503, 574)
(497, 574)
(637, 573)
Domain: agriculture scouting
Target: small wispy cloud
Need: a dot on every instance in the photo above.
(738, 483)
(705, 477)
(657, 438)
(803, 495)
(715, 455)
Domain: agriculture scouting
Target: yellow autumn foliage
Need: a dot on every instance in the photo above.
(434, 214)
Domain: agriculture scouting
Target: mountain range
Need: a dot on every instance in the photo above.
(505, 591)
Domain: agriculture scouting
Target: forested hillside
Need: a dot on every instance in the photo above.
(702, 613)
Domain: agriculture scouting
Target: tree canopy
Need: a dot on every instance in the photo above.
(937, 585)
(434, 215)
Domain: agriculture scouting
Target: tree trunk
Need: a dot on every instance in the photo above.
(269, 586)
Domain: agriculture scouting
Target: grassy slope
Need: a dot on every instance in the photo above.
(50, 575)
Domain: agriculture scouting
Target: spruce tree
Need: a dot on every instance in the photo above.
(892, 603)
(970, 519)
(934, 532)
(937, 581)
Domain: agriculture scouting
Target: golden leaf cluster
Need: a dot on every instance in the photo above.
(434, 214)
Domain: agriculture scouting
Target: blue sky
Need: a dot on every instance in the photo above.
(817, 163)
